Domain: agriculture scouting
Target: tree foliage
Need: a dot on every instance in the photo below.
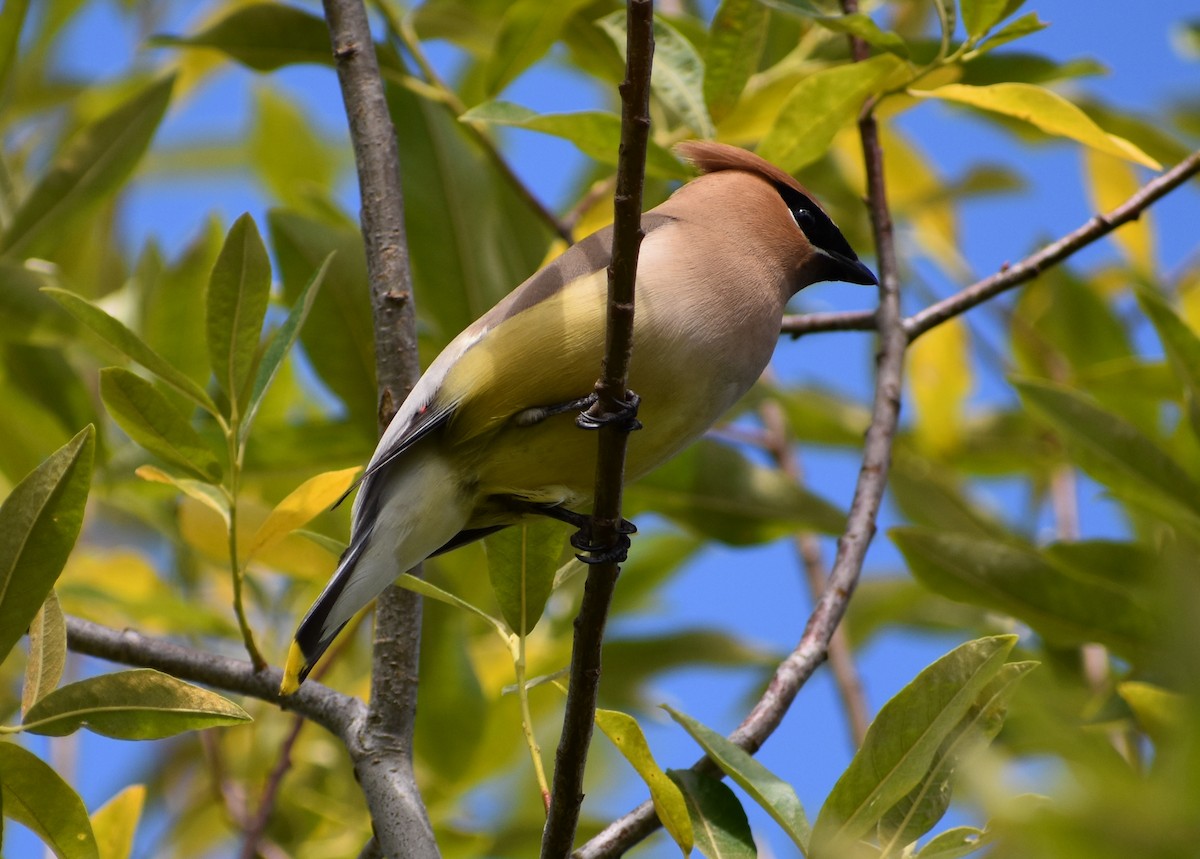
(178, 424)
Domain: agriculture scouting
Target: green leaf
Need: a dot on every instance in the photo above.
(1043, 109)
(625, 733)
(818, 107)
(677, 77)
(954, 843)
(597, 133)
(979, 16)
(426, 589)
(282, 342)
(35, 796)
(287, 151)
(149, 419)
(929, 494)
(1020, 28)
(93, 164)
(527, 30)
(1115, 452)
(140, 704)
(735, 42)
(26, 314)
(1065, 606)
(115, 822)
(1182, 348)
(238, 292)
(903, 740)
(1159, 712)
(715, 490)
(925, 804)
(719, 823)
(39, 522)
(117, 335)
(47, 652)
(776, 796)
(207, 494)
(339, 338)
(12, 19)
(263, 37)
(854, 24)
(522, 561)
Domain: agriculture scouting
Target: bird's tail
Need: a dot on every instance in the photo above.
(321, 625)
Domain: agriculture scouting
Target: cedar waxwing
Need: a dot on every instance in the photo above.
(488, 435)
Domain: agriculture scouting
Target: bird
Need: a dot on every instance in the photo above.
(487, 436)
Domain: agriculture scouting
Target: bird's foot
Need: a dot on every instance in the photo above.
(624, 417)
(591, 552)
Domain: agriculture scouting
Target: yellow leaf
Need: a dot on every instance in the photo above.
(627, 736)
(205, 493)
(1043, 109)
(310, 498)
(1111, 182)
(939, 378)
(116, 822)
(292, 555)
(1161, 713)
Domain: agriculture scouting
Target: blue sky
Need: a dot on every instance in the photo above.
(756, 593)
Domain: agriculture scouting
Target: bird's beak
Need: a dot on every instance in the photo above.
(851, 271)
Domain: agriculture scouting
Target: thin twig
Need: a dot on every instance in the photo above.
(1011, 276)
(383, 751)
(795, 670)
(612, 394)
(808, 548)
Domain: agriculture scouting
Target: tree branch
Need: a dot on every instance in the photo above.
(612, 396)
(1096, 228)
(382, 752)
(337, 713)
(811, 651)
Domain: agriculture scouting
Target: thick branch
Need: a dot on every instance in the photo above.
(337, 713)
(794, 671)
(383, 751)
(611, 389)
(1014, 275)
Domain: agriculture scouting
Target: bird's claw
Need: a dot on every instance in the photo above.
(624, 417)
(591, 554)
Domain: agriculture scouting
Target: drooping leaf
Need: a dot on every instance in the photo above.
(1063, 605)
(93, 164)
(1043, 109)
(35, 796)
(677, 78)
(776, 796)
(1182, 348)
(940, 379)
(149, 419)
(735, 42)
(1112, 181)
(39, 522)
(115, 822)
(288, 154)
(903, 740)
(117, 335)
(522, 561)
(282, 342)
(426, 589)
(139, 704)
(238, 292)
(1115, 452)
(311, 498)
(719, 823)
(1017, 29)
(819, 106)
(625, 733)
(717, 491)
(597, 133)
(526, 33)
(47, 652)
(263, 37)
(206, 493)
(853, 24)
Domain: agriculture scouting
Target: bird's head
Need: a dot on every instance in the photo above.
(778, 205)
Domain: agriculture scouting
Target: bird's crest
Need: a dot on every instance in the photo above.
(708, 156)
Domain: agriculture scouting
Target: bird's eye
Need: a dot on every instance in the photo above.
(804, 218)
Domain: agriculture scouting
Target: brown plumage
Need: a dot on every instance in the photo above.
(478, 439)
